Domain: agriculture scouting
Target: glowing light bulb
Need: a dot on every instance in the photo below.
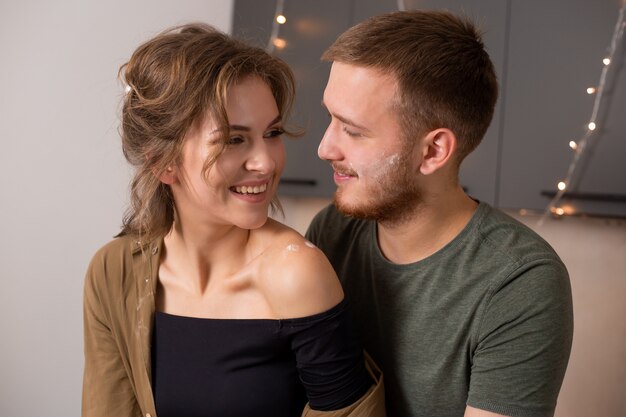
(606, 61)
(281, 19)
(573, 144)
(591, 90)
(591, 126)
(561, 186)
(559, 211)
(280, 43)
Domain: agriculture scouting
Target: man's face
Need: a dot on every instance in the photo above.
(375, 167)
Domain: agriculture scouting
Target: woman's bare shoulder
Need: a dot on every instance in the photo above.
(295, 276)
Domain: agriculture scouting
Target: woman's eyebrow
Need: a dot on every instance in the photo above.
(242, 128)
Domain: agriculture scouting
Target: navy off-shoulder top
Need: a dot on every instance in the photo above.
(260, 367)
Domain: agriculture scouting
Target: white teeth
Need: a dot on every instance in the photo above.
(251, 190)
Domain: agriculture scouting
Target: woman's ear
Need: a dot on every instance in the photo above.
(169, 176)
(438, 148)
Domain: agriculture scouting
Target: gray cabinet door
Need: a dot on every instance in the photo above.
(546, 54)
(555, 52)
(310, 28)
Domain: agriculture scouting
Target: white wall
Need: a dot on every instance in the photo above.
(62, 176)
(594, 251)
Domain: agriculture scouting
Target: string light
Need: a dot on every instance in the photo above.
(279, 19)
(280, 43)
(581, 145)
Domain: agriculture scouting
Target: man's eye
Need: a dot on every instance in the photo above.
(351, 133)
(274, 133)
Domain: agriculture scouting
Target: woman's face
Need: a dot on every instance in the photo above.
(239, 187)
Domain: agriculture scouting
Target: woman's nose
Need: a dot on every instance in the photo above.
(262, 158)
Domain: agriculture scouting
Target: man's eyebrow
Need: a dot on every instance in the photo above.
(246, 128)
(345, 120)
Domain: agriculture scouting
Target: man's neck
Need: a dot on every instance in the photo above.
(433, 225)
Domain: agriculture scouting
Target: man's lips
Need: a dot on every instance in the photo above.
(343, 172)
(341, 176)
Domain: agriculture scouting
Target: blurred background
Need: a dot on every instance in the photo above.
(64, 181)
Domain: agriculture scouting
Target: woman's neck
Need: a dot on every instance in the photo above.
(197, 253)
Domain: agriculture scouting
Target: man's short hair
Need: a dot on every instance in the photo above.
(445, 77)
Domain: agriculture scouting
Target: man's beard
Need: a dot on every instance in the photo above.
(391, 198)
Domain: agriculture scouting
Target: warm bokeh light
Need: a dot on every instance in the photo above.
(281, 19)
(280, 43)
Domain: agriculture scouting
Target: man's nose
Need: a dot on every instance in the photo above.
(329, 149)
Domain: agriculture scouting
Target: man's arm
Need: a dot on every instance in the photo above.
(524, 343)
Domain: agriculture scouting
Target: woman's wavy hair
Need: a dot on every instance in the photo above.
(174, 80)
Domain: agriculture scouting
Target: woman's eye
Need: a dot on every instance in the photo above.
(235, 140)
(274, 133)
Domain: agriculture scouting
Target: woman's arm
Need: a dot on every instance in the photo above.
(107, 390)
(305, 288)
(372, 404)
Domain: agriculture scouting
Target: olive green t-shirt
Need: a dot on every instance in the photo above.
(486, 321)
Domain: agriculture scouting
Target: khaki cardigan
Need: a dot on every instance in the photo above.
(119, 305)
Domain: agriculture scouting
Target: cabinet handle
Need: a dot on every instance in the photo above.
(299, 181)
(608, 198)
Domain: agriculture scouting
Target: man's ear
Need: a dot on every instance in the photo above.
(438, 148)
(169, 176)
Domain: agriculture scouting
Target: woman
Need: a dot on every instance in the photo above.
(203, 306)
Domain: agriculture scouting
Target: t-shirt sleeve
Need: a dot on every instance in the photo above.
(314, 231)
(524, 342)
(329, 358)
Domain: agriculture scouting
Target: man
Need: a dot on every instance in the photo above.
(467, 311)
